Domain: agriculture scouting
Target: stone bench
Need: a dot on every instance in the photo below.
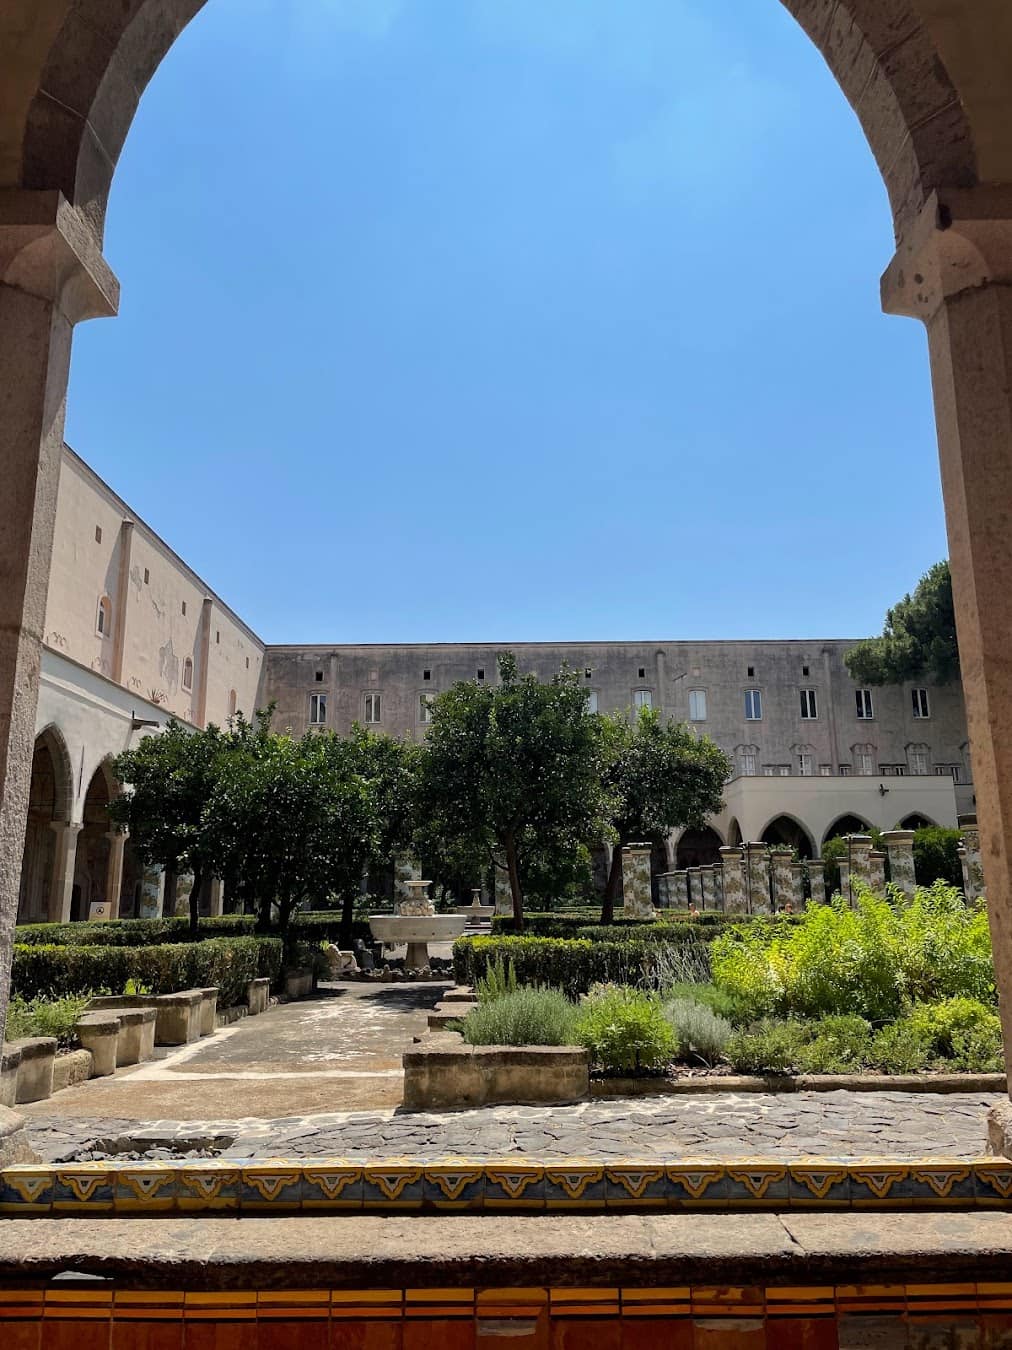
(298, 984)
(178, 1015)
(258, 993)
(208, 1010)
(10, 1059)
(35, 1070)
(442, 1072)
(136, 1041)
(98, 1033)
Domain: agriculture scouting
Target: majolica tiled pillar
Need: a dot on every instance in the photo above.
(733, 877)
(501, 886)
(637, 902)
(877, 871)
(664, 884)
(757, 880)
(845, 886)
(694, 888)
(860, 859)
(817, 882)
(900, 848)
(680, 889)
(973, 873)
(706, 880)
(152, 893)
(797, 886)
(783, 880)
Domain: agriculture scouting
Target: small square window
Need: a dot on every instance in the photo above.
(587, 673)
(751, 672)
(481, 672)
(184, 609)
(217, 635)
(319, 677)
(426, 674)
(247, 663)
(98, 534)
(805, 670)
(642, 673)
(753, 705)
(147, 577)
(919, 697)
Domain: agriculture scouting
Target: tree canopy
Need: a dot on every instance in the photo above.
(919, 638)
(513, 767)
(658, 776)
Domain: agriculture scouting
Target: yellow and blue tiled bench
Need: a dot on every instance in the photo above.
(337, 1185)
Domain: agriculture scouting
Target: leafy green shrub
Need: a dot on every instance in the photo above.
(768, 1047)
(900, 1047)
(699, 1033)
(45, 1017)
(717, 1000)
(570, 964)
(680, 963)
(521, 1016)
(869, 960)
(229, 963)
(308, 925)
(978, 1050)
(961, 1031)
(624, 1030)
(500, 979)
(839, 1045)
(936, 856)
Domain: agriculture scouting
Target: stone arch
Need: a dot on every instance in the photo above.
(916, 820)
(91, 864)
(50, 803)
(931, 92)
(735, 837)
(52, 738)
(846, 824)
(786, 830)
(698, 848)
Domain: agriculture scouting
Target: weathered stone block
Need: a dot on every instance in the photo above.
(136, 1041)
(10, 1059)
(208, 1010)
(298, 984)
(71, 1069)
(258, 994)
(35, 1072)
(441, 1072)
(98, 1033)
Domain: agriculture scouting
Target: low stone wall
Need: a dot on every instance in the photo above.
(35, 1072)
(441, 1072)
(71, 1069)
(10, 1060)
(258, 996)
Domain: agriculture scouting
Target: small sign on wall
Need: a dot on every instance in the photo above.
(98, 910)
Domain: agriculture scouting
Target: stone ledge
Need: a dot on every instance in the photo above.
(442, 1072)
(496, 1251)
(806, 1082)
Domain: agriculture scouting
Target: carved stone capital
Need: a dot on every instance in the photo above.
(961, 240)
(48, 249)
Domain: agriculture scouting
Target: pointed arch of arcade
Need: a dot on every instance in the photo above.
(788, 831)
(916, 820)
(844, 825)
(931, 85)
(50, 803)
(698, 848)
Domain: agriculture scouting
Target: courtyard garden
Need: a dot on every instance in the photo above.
(892, 985)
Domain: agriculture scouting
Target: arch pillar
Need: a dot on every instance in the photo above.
(52, 276)
(953, 271)
(61, 897)
(114, 870)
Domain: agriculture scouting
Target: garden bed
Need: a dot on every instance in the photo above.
(689, 1084)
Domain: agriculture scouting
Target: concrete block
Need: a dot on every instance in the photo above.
(71, 1069)
(10, 1058)
(298, 984)
(258, 994)
(208, 1010)
(442, 1073)
(35, 1072)
(178, 1017)
(98, 1033)
(136, 1041)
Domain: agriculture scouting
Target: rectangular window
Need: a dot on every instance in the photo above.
(642, 698)
(893, 770)
(918, 761)
(426, 674)
(865, 710)
(317, 709)
(919, 698)
(747, 761)
(98, 534)
(184, 609)
(697, 705)
(844, 770)
(481, 673)
(592, 701)
(318, 676)
(865, 763)
(373, 708)
(147, 576)
(825, 770)
(952, 771)
(424, 708)
(809, 707)
(767, 770)
(642, 673)
(753, 705)
(805, 766)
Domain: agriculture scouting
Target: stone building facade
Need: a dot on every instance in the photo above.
(133, 637)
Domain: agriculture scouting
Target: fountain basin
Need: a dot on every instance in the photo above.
(475, 911)
(417, 930)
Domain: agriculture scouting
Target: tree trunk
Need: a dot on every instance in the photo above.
(198, 886)
(347, 919)
(612, 886)
(514, 872)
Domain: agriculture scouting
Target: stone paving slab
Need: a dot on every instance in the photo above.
(825, 1124)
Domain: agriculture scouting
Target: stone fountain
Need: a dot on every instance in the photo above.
(475, 912)
(417, 924)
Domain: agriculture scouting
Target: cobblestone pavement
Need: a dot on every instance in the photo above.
(828, 1124)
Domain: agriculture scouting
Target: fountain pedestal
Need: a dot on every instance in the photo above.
(416, 923)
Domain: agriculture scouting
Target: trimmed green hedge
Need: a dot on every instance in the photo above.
(570, 964)
(315, 926)
(52, 971)
(672, 926)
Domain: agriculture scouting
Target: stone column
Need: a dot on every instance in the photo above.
(817, 882)
(214, 898)
(718, 887)
(664, 885)
(973, 873)
(503, 894)
(114, 870)
(797, 886)
(693, 887)
(733, 876)
(152, 893)
(783, 881)
(757, 881)
(636, 898)
(61, 893)
(900, 848)
(52, 276)
(706, 880)
(680, 889)
(860, 859)
(184, 889)
(877, 871)
(953, 270)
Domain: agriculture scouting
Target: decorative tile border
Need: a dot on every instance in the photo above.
(974, 1316)
(462, 1185)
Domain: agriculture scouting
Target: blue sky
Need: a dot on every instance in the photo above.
(511, 319)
